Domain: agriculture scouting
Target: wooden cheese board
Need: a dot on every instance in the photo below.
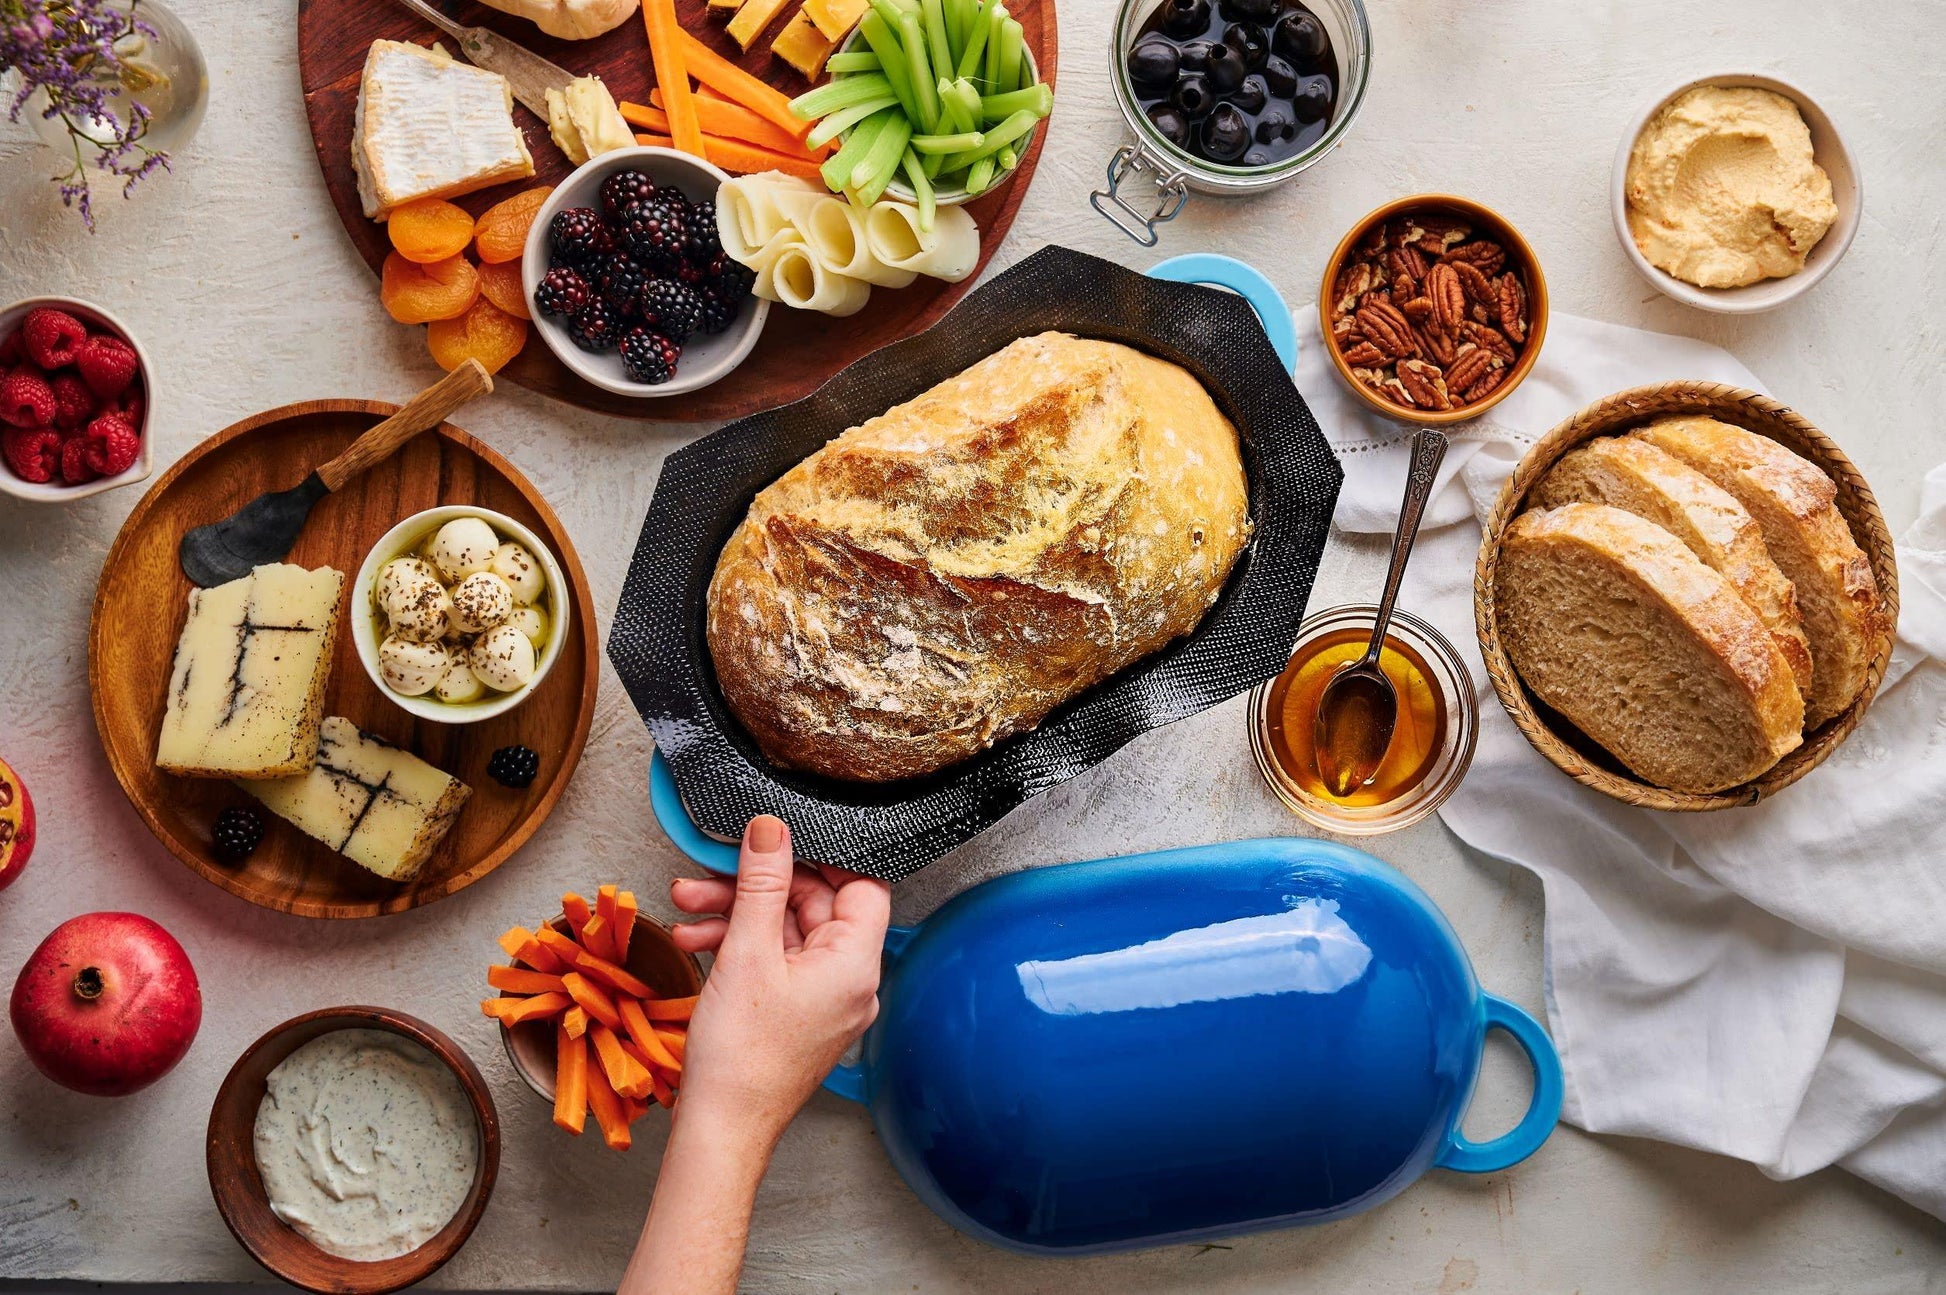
(139, 609)
(798, 350)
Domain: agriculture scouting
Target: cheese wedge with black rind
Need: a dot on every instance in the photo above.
(246, 691)
(382, 807)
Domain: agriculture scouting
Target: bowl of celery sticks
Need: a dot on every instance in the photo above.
(933, 103)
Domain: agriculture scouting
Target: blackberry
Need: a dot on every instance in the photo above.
(717, 313)
(562, 291)
(649, 357)
(513, 766)
(671, 308)
(621, 283)
(237, 833)
(728, 278)
(622, 191)
(595, 327)
(578, 236)
(655, 231)
(701, 245)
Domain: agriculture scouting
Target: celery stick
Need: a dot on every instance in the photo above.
(919, 71)
(844, 119)
(996, 37)
(932, 18)
(996, 139)
(1005, 159)
(969, 102)
(839, 92)
(980, 178)
(976, 45)
(947, 143)
(921, 188)
(885, 43)
(952, 119)
(1008, 77)
(837, 168)
(856, 60)
(956, 15)
(1037, 99)
(888, 12)
(875, 170)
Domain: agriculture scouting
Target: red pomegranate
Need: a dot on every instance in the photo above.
(108, 1004)
(16, 825)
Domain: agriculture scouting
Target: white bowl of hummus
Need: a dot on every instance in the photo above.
(1734, 193)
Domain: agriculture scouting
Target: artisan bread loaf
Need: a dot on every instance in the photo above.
(1638, 478)
(1614, 623)
(1808, 538)
(950, 571)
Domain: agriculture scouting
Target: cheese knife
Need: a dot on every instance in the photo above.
(528, 74)
(264, 529)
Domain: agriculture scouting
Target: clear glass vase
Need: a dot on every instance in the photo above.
(163, 72)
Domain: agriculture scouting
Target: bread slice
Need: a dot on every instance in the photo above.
(1808, 538)
(1638, 478)
(1613, 622)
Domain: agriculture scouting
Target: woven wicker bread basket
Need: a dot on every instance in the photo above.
(1553, 736)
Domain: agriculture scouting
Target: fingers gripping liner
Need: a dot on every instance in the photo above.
(891, 830)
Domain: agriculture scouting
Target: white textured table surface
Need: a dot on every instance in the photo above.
(237, 276)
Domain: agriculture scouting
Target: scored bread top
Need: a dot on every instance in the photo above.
(1614, 623)
(948, 572)
(1639, 478)
(1794, 504)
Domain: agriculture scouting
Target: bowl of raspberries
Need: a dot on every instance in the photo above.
(74, 401)
(630, 286)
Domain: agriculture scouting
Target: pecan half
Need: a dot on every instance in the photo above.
(1353, 283)
(1436, 343)
(1425, 384)
(1387, 329)
(1483, 254)
(1407, 262)
(1511, 297)
(1485, 386)
(1418, 310)
(1470, 366)
(1448, 297)
(1487, 339)
(1344, 330)
(1478, 287)
(1434, 234)
(1364, 355)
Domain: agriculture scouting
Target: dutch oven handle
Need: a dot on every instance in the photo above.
(1525, 1138)
(847, 1078)
(1211, 270)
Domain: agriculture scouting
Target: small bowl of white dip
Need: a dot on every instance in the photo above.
(340, 1079)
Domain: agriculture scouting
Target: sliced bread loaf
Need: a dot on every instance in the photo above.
(1808, 538)
(1638, 478)
(1614, 623)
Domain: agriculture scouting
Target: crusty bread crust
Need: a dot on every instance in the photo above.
(1793, 502)
(1637, 477)
(1613, 622)
(948, 572)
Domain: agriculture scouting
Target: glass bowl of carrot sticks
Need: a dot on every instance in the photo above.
(594, 1010)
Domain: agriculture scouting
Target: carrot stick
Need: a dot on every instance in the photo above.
(626, 911)
(521, 945)
(512, 938)
(629, 1077)
(605, 904)
(635, 1108)
(609, 1111)
(512, 1011)
(598, 968)
(664, 1094)
(519, 980)
(668, 1009)
(589, 997)
(570, 1081)
(713, 70)
(733, 120)
(741, 158)
(575, 909)
(594, 937)
(674, 1040)
(643, 1033)
(575, 1022)
(670, 54)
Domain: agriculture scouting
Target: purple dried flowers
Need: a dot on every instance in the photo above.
(66, 50)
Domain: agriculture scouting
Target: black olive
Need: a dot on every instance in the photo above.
(1275, 126)
(1258, 11)
(1225, 134)
(1312, 102)
(1194, 55)
(1299, 37)
(1153, 66)
(1170, 123)
(1280, 77)
(1193, 96)
(1185, 17)
(1257, 157)
(1251, 96)
(1226, 70)
(1249, 40)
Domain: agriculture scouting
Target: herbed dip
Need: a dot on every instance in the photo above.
(366, 1143)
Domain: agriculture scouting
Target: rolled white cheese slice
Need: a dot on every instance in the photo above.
(949, 251)
(801, 282)
(835, 232)
(749, 214)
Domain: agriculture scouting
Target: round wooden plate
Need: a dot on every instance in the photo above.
(798, 350)
(139, 609)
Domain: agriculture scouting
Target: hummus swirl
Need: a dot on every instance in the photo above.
(1723, 190)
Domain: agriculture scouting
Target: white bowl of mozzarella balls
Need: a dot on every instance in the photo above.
(460, 614)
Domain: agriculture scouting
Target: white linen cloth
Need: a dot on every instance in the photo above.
(1767, 982)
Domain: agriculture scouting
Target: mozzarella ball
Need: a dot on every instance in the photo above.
(502, 658)
(463, 546)
(480, 602)
(522, 572)
(413, 600)
(409, 668)
(459, 683)
(532, 622)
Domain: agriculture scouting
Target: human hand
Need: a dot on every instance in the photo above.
(795, 980)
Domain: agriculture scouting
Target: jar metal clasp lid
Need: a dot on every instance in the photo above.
(1135, 161)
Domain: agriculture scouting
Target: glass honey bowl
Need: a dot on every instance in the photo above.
(1432, 742)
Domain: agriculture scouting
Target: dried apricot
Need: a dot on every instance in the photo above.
(485, 333)
(500, 284)
(501, 232)
(430, 229)
(419, 294)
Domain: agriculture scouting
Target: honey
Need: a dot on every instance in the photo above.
(1291, 710)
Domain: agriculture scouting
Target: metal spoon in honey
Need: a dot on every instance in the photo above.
(1359, 706)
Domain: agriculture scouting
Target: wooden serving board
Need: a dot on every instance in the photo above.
(798, 350)
(139, 610)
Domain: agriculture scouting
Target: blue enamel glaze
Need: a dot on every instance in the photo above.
(1189, 1044)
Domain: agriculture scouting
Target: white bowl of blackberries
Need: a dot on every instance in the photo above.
(630, 287)
(1245, 86)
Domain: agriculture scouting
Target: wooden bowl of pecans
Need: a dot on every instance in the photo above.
(1433, 308)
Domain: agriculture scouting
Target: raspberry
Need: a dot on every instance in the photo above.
(561, 291)
(578, 236)
(130, 406)
(25, 398)
(10, 352)
(595, 328)
(112, 444)
(34, 453)
(50, 336)
(671, 308)
(623, 191)
(75, 468)
(107, 365)
(74, 404)
(622, 284)
(649, 357)
(654, 232)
